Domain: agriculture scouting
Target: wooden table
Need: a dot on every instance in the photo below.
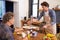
(38, 37)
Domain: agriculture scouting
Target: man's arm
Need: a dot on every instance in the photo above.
(41, 14)
(53, 17)
(9, 36)
(37, 20)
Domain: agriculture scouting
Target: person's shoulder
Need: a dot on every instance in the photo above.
(51, 10)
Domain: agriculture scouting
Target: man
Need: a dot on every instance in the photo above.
(5, 29)
(49, 16)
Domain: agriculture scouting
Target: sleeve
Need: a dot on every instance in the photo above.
(2, 33)
(9, 35)
(41, 14)
(53, 17)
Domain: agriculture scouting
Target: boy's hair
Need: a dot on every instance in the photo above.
(7, 17)
(45, 4)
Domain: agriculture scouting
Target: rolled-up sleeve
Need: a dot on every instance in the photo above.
(53, 17)
(41, 14)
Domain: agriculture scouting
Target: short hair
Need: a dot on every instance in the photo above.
(45, 4)
(7, 17)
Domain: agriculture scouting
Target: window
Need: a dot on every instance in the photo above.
(2, 8)
(9, 6)
(33, 8)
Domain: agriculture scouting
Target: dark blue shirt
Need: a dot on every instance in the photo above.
(51, 14)
(6, 32)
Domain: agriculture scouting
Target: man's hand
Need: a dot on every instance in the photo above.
(47, 25)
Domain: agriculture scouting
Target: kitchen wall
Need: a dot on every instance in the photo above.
(52, 3)
(20, 11)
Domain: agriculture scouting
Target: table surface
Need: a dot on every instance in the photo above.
(38, 37)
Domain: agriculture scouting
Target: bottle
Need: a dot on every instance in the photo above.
(28, 34)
